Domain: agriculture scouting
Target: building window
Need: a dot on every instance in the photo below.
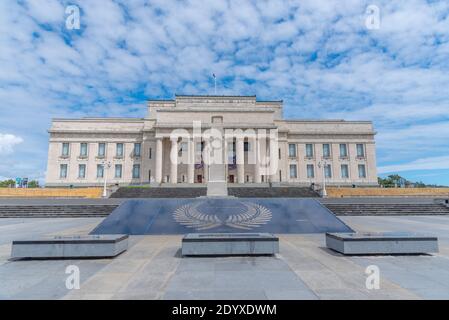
(246, 146)
(118, 171)
(136, 171)
(309, 150)
(293, 171)
(344, 171)
(310, 171)
(100, 171)
(119, 150)
(182, 149)
(82, 171)
(362, 171)
(343, 150)
(137, 148)
(360, 150)
(150, 154)
(292, 150)
(83, 150)
(63, 171)
(326, 150)
(101, 150)
(328, 171)
(65, 149)
(149, 175)
(279, 151)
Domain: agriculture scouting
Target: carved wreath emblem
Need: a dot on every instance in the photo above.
(253, 216)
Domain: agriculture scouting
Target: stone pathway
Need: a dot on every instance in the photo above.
(152, 268)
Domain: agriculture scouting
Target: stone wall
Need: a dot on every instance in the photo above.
(334, 192)
(51, 193)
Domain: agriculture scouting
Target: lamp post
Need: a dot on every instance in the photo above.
(323, 192)
(106, 166)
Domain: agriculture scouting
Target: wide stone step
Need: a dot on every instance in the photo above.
(387, 209)
(43, 211)
(241, 192)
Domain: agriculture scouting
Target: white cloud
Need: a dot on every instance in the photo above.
(431, 163)
(7, 143)
(316, 55)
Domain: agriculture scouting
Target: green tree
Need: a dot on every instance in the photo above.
(33, 184)
(395, 180)
(7, 183)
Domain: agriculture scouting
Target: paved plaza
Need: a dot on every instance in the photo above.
(153, 268)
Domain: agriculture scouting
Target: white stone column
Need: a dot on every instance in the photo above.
(225, 157)
(274, 162)
(240, 157)
(159, 152)
(257, 177)
(174, 161)
(206, 159)
(191, 164)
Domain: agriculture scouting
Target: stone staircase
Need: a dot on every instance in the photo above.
(386, 209)
(274, 192)
(194, 192)
(159, 192)
(56, 211)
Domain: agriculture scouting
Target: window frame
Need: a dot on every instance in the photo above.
(118, 165)
(136, 168)
(82, 165)
(295, 176)
(328, 174)
(102, 171)
(81, 149)
(345, 156)
(310, 165)
(329, 155)
(295, 151)
(364, 170)
(139, 148)
(312, 150)
(66, 170)
(117, 155)
(347, 171)
(363, 150)
(104, 150)
(68, 150)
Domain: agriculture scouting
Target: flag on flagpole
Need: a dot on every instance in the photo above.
(213, 75)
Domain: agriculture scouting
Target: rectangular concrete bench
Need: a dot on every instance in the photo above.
(217, 244)
(88, 246)
(381, 243)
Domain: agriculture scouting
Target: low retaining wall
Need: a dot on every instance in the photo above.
(335, 192)
(51, 193)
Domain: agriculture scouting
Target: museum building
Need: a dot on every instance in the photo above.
(125, 151)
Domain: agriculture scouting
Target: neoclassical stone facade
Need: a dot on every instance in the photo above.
(82, 152)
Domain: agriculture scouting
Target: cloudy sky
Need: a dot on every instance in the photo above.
(318, 56)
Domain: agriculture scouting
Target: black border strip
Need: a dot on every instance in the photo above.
(379, 238)
(62, 241)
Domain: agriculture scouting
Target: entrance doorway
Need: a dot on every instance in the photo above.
(231, 178)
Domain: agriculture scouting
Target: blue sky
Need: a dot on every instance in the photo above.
(318, 56)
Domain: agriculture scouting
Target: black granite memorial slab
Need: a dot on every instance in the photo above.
(227, 215)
